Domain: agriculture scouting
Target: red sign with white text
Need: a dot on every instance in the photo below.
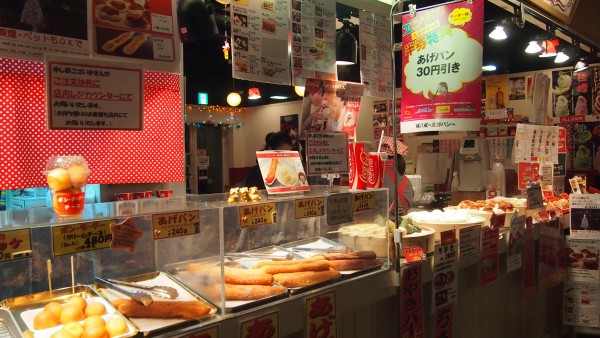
(528, 172)
(412, 302)
(441, 68)
(414, 254)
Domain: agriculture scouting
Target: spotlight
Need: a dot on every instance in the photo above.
(498, 33)
(278, 97)
(488, 68)
(533, 47)
(561, 57)
(345, 45)
(582, 64)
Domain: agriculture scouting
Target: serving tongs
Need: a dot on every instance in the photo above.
(160, 291)
(333, 249)
(136, 295)
(287, 257)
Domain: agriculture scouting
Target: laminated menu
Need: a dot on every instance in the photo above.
(282, 171)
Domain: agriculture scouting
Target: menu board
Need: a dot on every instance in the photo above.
(375, 55)
(29, 32)
(282, 171)
(136, 29)
(313, 40)
(533, 142)
(259, 35)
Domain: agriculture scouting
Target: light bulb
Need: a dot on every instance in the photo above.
(561, 57)
(533, 48)
(234, 99)
(498, 33)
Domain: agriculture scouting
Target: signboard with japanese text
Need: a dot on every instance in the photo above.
(175, 224)
(363, 201)
(309, 207)
(527, 172)
(259, 36)
(444, 317)
(321, 316)
(560, 168)
(339, 209)
(125, 235)
(28, 31)
(489, 259)
(212, 332)
(266, 326)
(583, 259)
(282, 171)
(92, 94)
(144, 31)
(469, 241)
(533, 142)
(414, 254)
(313, 40)
(411, 310)
(535, 199)
(581, 304)
(80, 237)
(258, 214)
(441, 61)
(375, 54)
(445, 272)
(585, 215)
(15, 244)
(326, 153)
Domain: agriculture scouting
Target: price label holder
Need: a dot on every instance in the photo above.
(266, 326)
(363, 201)
(414, 254)
(80, 237)
(309, 207)
(15, 244)
(339, 208)
(258, 214)
(175, 224)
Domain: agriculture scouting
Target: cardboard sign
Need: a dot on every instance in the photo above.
(321, 316)
(339, 209)
(175, 224)
(258, 214)
(527, 172)
(15, 244)
(74, 238)
(326, 153)
(309, 207)
(266, 326)
(363, 201)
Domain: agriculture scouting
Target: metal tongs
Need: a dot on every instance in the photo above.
(136, 295)
(287, 257)
(160, 291)
(333, 249)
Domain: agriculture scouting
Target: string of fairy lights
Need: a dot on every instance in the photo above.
(226, 117)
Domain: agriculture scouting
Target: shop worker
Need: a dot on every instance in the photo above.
(405, 189)
(274, 141)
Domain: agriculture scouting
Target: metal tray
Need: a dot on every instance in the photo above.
(8, 325)
(152, 325)
(277, 252)
(25, 308)
(210, 287)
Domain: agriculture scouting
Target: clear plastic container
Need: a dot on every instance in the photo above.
(67, 178)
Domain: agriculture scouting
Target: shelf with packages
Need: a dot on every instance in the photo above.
(201, 246)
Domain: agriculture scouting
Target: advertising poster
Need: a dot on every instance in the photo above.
(412, 324)
(533, 142)
(583, 145)
(136, 29)
(580, 304)
(330, 106)
(582, 255)
(313, 40)
(326, 153)
(29, 31)
(595, 73)
(496, 98)
(282, 171)
(92, 94)
(259, 35)
(585, 215)
(562, 96)
(516, 88)
(582, 92)
(441, 62)
(375, 55)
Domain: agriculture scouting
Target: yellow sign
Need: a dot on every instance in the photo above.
(309, 207)
(460, 16)
(442, 109)
(258, 214)
(363, 202)
(266, 326)
(175, 224)
(15, 244)
(73, 238)
(212, 332)
(320, 316)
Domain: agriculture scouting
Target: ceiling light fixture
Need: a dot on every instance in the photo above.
(498, 33)
(533, 47)
(549, 48)
(488, 68)
(561, 57)
(299, 90)
(345, 45)
(234, 99)
(581, 64)
(254, 93)
(278, 97)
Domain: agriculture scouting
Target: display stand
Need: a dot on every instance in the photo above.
(330, 189)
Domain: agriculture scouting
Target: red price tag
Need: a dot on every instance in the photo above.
(448, 237)
(414, 254)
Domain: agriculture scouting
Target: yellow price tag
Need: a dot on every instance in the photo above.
(175, 224)
(15, 244)
(363, 201)
(73, 238)
(258, 214)
(309, 207)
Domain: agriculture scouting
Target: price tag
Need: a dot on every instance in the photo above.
(15, 244)
(125, 235)
(258, 214)
(309, 207)
(363, 201)
(339, 209)
(535, 200)
(73, 238)
(469, 241)
(175, 224)
(212, 332)
(414, 254)
(320, 314)
(266, 326)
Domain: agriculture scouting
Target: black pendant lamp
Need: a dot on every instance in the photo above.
(345, 45)
(196, 20)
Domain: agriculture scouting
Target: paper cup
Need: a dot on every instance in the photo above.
(142, 194)
(126, 196)
(375, 170)
(67, 178)
(164, 193)
(359, 165)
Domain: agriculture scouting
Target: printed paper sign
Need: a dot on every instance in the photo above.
(74, 238)
(445, 278)
(339, 209)
(321, 316)
(470, 239)
(258, 214)
(552, 268)
(93, 94)
(528, 172)
(441, 62)
(585, 215)
(266, 326)
(488, 262)
(580, 304)
(15, 244)
(516, 236)
(175, 224)
(414, 254)
(375, 54)
(326, 153)
(309, 207)
(535, 199)
(583, 259)
(282, 171)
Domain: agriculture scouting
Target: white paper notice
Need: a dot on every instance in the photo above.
(516, 236)
(533, 142)
(375, 55)
(585, 215)
(326, 153)
(469, 241)
(580, 304)
(259, 37)
(583, 259)
(445, 275)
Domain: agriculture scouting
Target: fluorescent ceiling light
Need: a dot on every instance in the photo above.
(533, 48)
(278, 97)
(488, 68)
(498, 33)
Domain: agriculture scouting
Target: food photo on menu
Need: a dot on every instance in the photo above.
(132, 14)
(123, 43)
(282, 171)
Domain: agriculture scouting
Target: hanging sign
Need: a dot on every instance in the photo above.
(585, 215)
(375, 54)
(441, 68)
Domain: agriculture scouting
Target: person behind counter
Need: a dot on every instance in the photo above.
(405, 189)
(274, 141)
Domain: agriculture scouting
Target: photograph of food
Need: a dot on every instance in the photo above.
(318, 33)
(298, 39)
(242, 66)
(596, 108)
(296, 16)
(120, 43)
(298, 62)
(297, 5)
(269, 26)
(582, 259)
(268, 5)
(296, 28)
(240, 43)
(240, 20)
(128, 14)
(269, 70)
(297, 50)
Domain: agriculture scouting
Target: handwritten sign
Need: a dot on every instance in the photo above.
(212, 332)
(528, 172)
(309, 207)
(326, 153)
(320, 316)
(266, 326)
(125, 235)
(339, 209)
(175, 224)
(363, 201)
(93, 94)
(73, 238)
(258, 214)
(15, 244)
(414, 254)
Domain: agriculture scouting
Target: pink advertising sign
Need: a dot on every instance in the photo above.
(441, 68)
